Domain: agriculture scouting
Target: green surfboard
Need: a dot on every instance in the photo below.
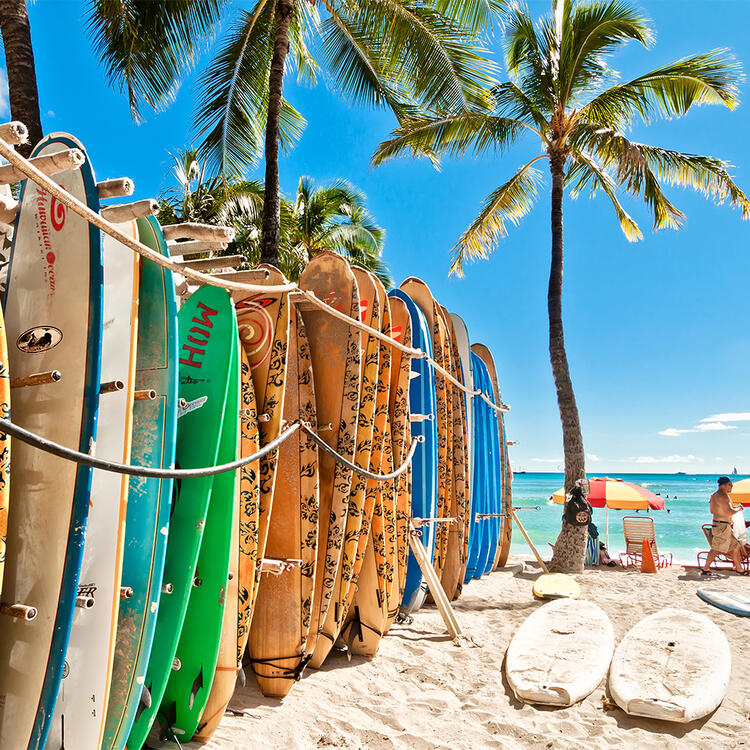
(207, 332)
(195, 661)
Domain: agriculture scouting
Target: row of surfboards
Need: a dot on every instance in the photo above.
(130, 606)
(673, 665)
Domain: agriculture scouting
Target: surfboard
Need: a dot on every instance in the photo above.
(424, 464)
(149, 500)
(673, 665)
(369, 614)
(556, 586)
(420, 293)
(53, 317)
(4, 446)
(733, 602)
(195, 658)
(398, 411)
(263, 322)
(464, 357)
(452, 579)
(505, 523)
(281, 617)
(206, 329)
(84, 691)
(242, 565)
(360, 507)
(560, 654)
(335, 356)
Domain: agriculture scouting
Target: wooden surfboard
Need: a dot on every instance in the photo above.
(453, 576)
(206, 329)
(369, 605)
(84, 691)
(281, 617)
(424, 465)
(368, 451)
(506, 530)
(420, 293)
(149, 500)
(53, 318)
(335, 356)
(242, 565)
(197, 651)
(263, 322)
(398, 411)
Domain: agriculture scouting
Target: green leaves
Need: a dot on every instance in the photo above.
(147, 47)
(509, 203)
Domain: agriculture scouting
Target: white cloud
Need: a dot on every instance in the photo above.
(731, 416)
(704, 426)
(673, 459)
(4, 102)
(593, 457)
(547, 460)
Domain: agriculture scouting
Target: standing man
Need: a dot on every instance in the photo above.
(722, 539)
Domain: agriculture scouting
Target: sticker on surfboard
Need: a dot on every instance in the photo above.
(39, 339)
(189, 406)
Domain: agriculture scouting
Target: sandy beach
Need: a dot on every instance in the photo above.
(424, 692)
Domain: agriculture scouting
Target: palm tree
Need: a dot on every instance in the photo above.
(333, 217)
(562, 91)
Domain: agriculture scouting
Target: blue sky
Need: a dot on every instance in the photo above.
(656, 331)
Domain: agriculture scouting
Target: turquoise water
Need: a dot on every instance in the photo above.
(678, 527)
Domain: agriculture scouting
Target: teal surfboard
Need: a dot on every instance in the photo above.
(149, 500)
(195, 661)
(207, 330)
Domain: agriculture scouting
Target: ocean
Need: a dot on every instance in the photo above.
(678, 527)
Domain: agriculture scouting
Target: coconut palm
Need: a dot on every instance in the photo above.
(333, 217)
(562, 92)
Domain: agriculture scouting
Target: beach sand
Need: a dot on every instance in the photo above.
(422, 691)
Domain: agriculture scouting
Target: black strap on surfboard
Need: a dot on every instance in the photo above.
(286, 674)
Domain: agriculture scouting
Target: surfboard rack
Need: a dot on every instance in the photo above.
(130, 211)
(167, 588)
(14, 132)
(39, 378)
(276, 567)
(264, 417)
(85, 602)
(195, 231)
(120, 187)
(419, 522)
(512, 442)
(484, 516)
(250, 276)
(211, 264)
(194, 247)
(147, 395)
(19, 611)
(69, 158)
(112, 386)
(126, 592)
(528, 540)
(421, 417)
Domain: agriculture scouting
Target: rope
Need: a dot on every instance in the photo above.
(370, 475)
(286, 673)
(37, 176)
(48, 446)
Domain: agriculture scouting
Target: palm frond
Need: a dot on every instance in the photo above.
(146, 47)
(454, 134)
(669, 91)
(585, 172)
(234, 95)
(510, 202)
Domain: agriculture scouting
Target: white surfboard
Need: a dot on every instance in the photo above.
(560, 653)
(673, 665)
(82, 701)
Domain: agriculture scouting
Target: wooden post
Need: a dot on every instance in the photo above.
(528, 541)
(39, 378)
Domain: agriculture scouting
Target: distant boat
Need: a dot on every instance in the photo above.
(734, 471)
(680, 472)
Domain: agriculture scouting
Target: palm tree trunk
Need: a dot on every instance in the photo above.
(19, 62)
(570, 548)
(269, 249)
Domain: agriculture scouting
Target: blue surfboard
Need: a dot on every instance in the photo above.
(730, 601)
(149, 500)
(486, 502)
(495, 494)
(424, 465)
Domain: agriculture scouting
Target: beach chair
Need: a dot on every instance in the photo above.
(636, 529)
(721, 557)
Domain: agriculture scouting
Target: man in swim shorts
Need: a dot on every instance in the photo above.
(723, 540)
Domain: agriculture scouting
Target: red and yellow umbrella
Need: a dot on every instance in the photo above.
(606, 492)
(741, 492)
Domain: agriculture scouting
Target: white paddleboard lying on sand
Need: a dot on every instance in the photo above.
(673, 665)
(730, 601)
(560, 653)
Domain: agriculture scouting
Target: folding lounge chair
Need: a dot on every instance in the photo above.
(721, 556)
(636, 529)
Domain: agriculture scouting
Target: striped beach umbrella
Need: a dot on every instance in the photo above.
(741, 492)
(606, 492)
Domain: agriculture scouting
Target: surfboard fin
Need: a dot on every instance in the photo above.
(197, 685)
(145, 699)
(241, 677)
